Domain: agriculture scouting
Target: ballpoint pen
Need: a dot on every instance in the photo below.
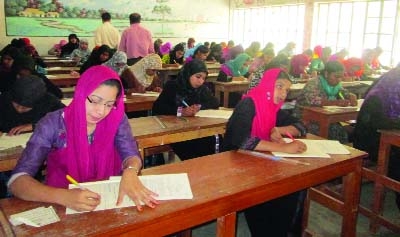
(184, 103)
(341, 95)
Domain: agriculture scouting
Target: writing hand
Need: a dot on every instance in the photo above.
(276, 135)
(294, 147)
(81, 200)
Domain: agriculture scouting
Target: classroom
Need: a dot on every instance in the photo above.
(200, 118)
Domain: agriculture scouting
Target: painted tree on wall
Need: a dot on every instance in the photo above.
(162, 10)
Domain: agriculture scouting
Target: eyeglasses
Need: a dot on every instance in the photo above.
(107, 106)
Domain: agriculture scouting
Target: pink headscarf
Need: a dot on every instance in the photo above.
(83, 161)
(266, 110)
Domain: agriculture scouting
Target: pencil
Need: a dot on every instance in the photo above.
(74, 182)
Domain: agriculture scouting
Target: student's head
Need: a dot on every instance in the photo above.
(26, 92)
(8, 57)
(24, 65)
(190, 42)
(134, 18)
(146, 68)
(192, 75)
(282, 87)
(201, 52)
(98, 95)
(272, 89)
(102, 53)
(83, 44)
(117, 62)
(179, 51)
(73, 38)
(105, 16)
(268, 54)
(334, 72)
(102, 100)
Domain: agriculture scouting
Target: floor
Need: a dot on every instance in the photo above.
(323, 222)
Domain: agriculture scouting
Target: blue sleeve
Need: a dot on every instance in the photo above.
(124, 140)
(40, 144)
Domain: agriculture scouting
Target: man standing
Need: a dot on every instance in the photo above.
(106, 33)
(136, 41)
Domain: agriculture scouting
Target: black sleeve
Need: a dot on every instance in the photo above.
(372, 113)
(239, 126)
(51, 88)
(166, 101)
(207, 100)
(284, 118)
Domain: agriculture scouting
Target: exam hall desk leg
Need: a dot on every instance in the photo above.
(381, 181)
(346, 206)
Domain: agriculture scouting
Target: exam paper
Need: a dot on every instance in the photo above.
(318, 149)
(148, 93)
(167, 186)
(7, 142)
(37, 217)
(214, 113)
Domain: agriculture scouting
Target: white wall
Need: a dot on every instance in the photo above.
(222, 11)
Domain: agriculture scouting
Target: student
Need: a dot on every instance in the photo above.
(188, 93)
(199, 52)
(118, 62)
(25, 104)
(98, 56)
(142, 76)
(7, 74)
(380, 110)
(25, 66)
(73, 43)
(56, 49)
(215, 54)
(326, 89)
(89, 140)
(175, 56)
(254, 49)
(298, 66)
(237, 67)
(260, 61)
(257, 123)
(81, 54)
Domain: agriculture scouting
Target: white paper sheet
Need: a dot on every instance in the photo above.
(37, 217)
(148, 93)
(318, 149)
(167, 186)
(214, 113)
(7, 142)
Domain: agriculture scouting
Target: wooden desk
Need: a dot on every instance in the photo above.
(214, 197)
(379, 177)
(66, 80)
(149, 133)
(59, 62)
(139, 103)
(9, 158)
(324, 117)
(227, 87)
(61, 70)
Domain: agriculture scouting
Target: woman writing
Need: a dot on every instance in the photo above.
(89, 140)
(257, 123)
(189, 93)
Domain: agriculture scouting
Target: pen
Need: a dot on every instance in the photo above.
(184, 103)
(74, 182)
(341, 95)
(271, 157)
(289, 135)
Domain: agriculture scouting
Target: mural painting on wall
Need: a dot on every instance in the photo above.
(165, 18)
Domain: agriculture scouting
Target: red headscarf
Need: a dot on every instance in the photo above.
(266, 110)
(84, 161)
